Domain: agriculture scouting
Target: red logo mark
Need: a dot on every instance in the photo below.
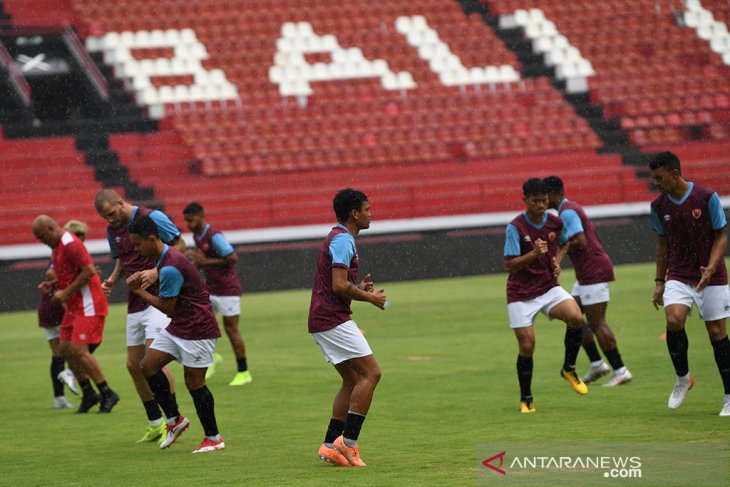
(696, 213)
(487, 463)
(551, 235)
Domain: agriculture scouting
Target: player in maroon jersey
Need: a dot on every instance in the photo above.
(217, 259)
(531, 244)
(690, 269)
(337, 335)
(190, 338)
(593, 271)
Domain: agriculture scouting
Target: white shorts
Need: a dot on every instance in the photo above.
(145, 325)
(226, 305)
(341, 343)
(196, 354)
(522, 313)
(713, 302)
(591, 293)
(53, 332)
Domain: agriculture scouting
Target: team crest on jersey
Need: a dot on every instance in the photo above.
(527, 238)
(696, 213)
(552, 236)
(667, 218)
(117, 239)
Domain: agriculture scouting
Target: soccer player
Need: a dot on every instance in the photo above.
(531, 243)
(50, 316)
(79, 292)
(144, 322)
(593, 271)
(341, 341)
(190, 337)
(690, 269)
(217, 259)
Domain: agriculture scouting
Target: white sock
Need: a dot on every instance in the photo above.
(171, 421)
(215, 438)
(621, 370)
(596, 364)
(683, 379)
(156, 422)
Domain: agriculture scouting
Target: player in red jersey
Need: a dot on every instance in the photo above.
(79, 291)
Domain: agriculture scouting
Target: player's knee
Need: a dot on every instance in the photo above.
(134, 368)
(527, 348)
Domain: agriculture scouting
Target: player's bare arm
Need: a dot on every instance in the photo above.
(135, 284)
(198, 258)
(662, 261)
(717, 252)
(342, 286)
(516, 264)
(82, 278)
(108, 284)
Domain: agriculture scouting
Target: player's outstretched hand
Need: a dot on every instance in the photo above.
(367, 284)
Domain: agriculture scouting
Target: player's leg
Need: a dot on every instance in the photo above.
(721, 347)
(163, 351)
(57, 367)
(598, 367)
(526, 348)
(678, 300)
(596, 314)
(367, 375)
(567, 310)
(714, 305)
(196, 357)
(230, 324)
(336, 427)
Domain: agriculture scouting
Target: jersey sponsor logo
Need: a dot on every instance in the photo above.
(696, 213)
(527, 238)
(552, 236)
(667, 218)
(117, 239)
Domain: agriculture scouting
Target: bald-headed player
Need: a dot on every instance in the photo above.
(144, 322)
(79, 292)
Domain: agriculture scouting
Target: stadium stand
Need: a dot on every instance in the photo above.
(437, 107)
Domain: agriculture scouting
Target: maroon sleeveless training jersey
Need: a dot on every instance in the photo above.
(132, 261)
(689, 232)
(222, 280)
(193, 318)
(537, 278)
(327, 309)
(592, 264)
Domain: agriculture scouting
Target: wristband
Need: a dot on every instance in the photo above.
(659, 279)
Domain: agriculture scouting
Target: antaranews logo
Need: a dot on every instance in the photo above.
(488, 463)
(611, 466)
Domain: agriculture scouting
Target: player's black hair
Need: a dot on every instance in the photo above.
(666, 160)
(347, 200)
(144, 226)
(554, 184)
(194, 208)
(534, 186)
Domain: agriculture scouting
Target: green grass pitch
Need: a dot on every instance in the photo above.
(449, 384)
